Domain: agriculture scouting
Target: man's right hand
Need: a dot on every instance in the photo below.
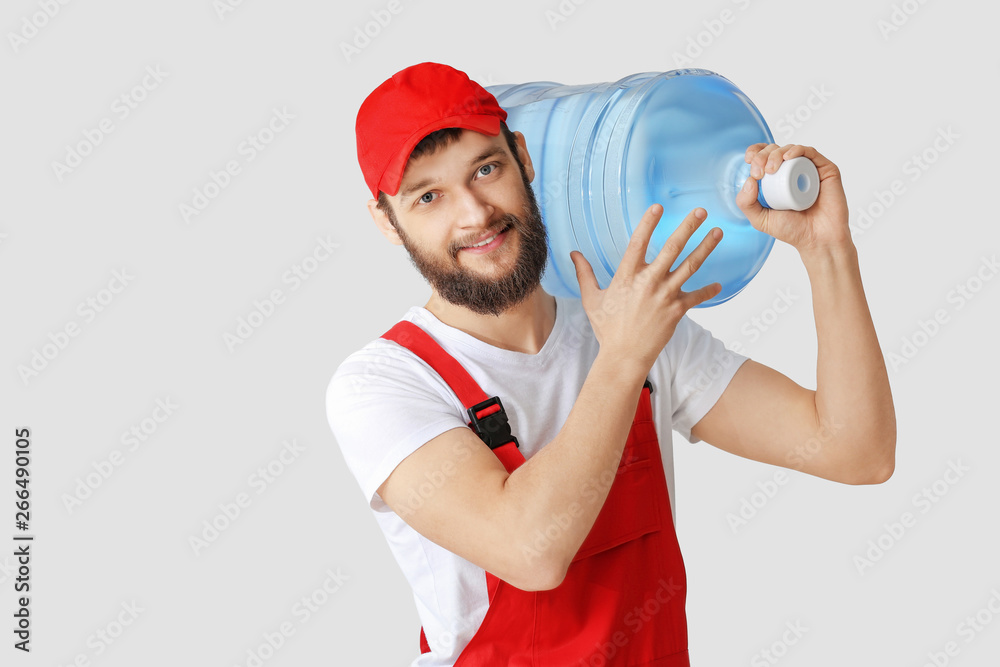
(635, 316)
(492, 518)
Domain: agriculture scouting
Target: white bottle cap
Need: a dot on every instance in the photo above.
(794, 187)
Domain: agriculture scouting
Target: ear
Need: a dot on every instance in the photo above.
(522, 153)
(383, 223)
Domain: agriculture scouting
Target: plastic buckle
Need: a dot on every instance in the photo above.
(493, 428)
(649, 384)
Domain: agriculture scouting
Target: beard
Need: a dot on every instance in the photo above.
(490, 295)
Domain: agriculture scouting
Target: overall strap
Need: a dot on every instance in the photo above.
(486, 414)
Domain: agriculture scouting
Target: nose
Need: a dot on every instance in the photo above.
(473, 211)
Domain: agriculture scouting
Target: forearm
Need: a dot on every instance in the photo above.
(557, 494)
(854, 408)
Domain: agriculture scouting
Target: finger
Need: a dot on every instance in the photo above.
(696, 258)
(584, 274)
(823, 164)
(760, 159)
(634, 256)
(776, 157)
(746, 199)
(675, 243)
(692, 299)
(751, 151)
(796, 150)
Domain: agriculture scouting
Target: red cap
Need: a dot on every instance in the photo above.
(406, 108)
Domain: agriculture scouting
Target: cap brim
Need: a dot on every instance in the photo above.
(392, 177)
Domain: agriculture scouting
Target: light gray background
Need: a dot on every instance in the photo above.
(162, 335)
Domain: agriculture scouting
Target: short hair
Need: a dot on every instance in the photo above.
(436, 140)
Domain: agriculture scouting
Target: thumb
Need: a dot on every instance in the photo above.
(584, 273)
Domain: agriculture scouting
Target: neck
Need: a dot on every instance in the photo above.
(523, 328)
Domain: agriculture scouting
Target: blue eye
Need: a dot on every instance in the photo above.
(424, 198)
(491, 167)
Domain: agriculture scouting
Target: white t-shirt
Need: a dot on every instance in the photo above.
(383, 402)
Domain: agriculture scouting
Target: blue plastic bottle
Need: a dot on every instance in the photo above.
(604, 153)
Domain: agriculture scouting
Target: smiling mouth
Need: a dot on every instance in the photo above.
(489, 240)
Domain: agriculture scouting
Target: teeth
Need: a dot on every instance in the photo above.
(489, 240)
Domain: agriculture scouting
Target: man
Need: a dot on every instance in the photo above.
(533, 535)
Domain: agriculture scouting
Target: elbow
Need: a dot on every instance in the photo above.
(888, 447)
(548, 583)
(868, 453)
(545, 576)
(557, 575)
(881, 474)
(539, 569)
(537, 580)
(531, 575)
(868, 474)
(876, 470)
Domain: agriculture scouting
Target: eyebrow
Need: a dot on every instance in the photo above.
(485, 155)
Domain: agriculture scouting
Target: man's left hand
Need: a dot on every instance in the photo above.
(822, 226)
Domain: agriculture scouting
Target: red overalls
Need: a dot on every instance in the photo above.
(622, 601)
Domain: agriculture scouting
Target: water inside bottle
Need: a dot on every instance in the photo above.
(603, 153)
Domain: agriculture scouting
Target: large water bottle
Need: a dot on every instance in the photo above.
(604, 153)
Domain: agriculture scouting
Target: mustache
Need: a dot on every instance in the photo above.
(508, 221)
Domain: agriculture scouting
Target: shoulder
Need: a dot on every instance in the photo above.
(694, 359)
(691, 341)
(382, 368)
(382, 403)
